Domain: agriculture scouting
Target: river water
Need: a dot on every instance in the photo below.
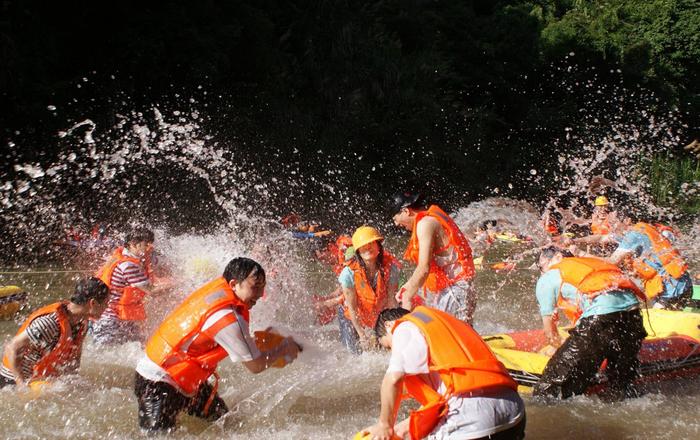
(141, 165)
(327, 393)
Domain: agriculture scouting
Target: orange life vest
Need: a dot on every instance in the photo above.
(130, 306)
(461, 358)
(662, 254)
(179, 347)
(370, 302)
(600, 226)
(591, 277)
(67, 350)
(552, 227)
(437, 279)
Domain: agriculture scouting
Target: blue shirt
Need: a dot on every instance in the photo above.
(640, 245)
(347, 277)
(548, 292)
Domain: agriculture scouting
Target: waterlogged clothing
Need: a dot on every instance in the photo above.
(458, 300)
(44, 333)
(110, 329)
(639, 245)
(449, 264)
(550, 284)
(159, 404)
(116, 331)
(615, 337)
(468, 418)
(348, 335)
(234, 337)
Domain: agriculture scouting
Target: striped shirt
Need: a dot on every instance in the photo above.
(44, 333)
(127, 273)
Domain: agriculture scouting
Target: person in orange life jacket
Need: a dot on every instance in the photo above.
(655, 261)
(443, 257)
(669, 232)
(127, 274)
(604, 307)
(603, 221)
(208, 326)
(50, 342)
(465, 392)
(369, 282)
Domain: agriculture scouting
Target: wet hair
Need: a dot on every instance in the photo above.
(551, 251)
(380, 260)
(140, 235)
(405, 199)
(241, 268)
(388, 315)
(90, 288)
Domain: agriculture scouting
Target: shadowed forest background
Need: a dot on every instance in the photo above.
(455, 97)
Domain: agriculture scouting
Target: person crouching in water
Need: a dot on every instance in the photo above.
(50, 342)
(126, 275)
(442, 255)
(604, 306)
(208, 326)
(464, 391)
(369, 282)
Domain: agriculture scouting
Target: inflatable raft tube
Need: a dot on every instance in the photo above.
(672, 351)
(11, 299)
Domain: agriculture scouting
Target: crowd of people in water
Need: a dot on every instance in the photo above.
(599, 281)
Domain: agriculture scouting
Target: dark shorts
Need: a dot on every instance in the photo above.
(6, 381)
(160, 403)
(517, 432)
(615, 337)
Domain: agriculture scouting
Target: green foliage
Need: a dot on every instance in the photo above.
(675, 182)
(657, 41)
(472, 85)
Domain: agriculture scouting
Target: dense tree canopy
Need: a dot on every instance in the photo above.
(481, 86)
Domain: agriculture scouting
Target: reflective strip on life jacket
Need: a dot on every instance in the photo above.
(370, 302)
(180, 347)
(67, 350)
(130, 306)
(437, 279)
(662, 262)
(461, 358)
(591, 277)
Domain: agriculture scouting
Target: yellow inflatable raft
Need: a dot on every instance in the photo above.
(671, 350)
(11, 299)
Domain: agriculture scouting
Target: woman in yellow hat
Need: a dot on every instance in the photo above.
(369, 282)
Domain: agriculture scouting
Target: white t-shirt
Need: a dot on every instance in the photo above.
(468, 417)
(234, 338)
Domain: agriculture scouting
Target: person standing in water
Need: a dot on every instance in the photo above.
(464, 391)
(50, 342)
(443, 257)
(658, 263)
(369, 282)
(183, 353)
(126, 273)
(604, 307)
(604, 221)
